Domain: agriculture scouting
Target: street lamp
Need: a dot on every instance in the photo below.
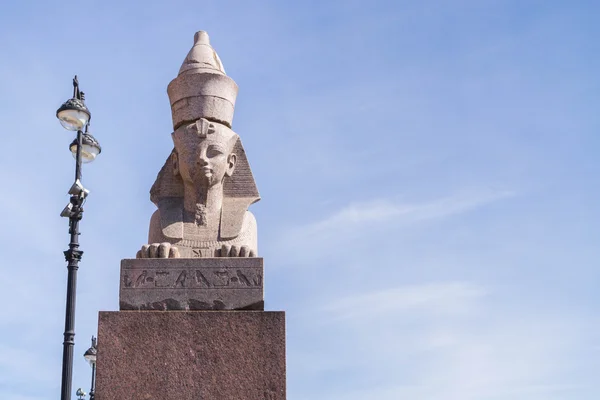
(90, 147)
(74, 116)
(90, 356)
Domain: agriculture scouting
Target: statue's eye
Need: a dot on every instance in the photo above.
(214, 151)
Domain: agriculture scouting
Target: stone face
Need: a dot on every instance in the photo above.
(192, 284)
(196, 355)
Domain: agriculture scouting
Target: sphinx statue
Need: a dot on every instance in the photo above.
(205, 187)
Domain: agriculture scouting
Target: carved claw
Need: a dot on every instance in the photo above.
(163, 250)
(246, 252)
(236, 251)
(153, 251)
(225, 250)
(158, 250)
(174, 252)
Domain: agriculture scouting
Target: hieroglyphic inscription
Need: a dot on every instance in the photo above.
(192, 284)
(202, 252)
(191, 278)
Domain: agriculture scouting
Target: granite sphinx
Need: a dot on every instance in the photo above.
(205, 187)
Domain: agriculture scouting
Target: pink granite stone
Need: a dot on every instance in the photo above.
(202, 89)
(196, 355)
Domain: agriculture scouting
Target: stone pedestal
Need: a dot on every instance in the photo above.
(191, 355)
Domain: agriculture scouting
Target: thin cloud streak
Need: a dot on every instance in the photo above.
(448, 298)
(361, 216)
(383, 210)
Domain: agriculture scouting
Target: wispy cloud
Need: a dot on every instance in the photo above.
(433, 298)
(445, 340)
(359, 218)
(392, 210)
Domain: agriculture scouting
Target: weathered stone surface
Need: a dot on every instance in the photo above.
(206, 186)
(196, 355)
(192, 284)
(190, 108)
(203, 198)
(202, 89)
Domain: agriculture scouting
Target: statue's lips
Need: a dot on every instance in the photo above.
(205, 171)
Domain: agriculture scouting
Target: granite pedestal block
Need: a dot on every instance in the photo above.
(194, 355)
(191, 284)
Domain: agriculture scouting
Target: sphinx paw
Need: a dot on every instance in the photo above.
(236, 251)
(158, 250)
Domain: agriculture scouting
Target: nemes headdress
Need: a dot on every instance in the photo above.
(202, 103)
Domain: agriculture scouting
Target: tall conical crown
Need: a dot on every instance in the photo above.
(202, 90)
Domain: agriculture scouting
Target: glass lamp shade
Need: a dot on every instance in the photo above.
(73, 120)
(90, 354)
(73, 115)
(91, 358)
(89, 150)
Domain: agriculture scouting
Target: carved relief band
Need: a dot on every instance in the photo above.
(192, 284)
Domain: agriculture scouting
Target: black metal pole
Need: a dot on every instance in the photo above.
(93, 388)
(72, 256)
(78, 156)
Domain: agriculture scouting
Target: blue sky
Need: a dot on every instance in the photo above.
(428, 173)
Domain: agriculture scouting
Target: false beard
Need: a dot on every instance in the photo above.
(200, 216)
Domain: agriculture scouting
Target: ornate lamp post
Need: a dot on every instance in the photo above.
(74, 116)
(90, 356)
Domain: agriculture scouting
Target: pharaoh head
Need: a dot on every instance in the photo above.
(203, 156)
(208, 155)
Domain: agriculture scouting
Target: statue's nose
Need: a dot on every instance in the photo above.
(202, 160)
